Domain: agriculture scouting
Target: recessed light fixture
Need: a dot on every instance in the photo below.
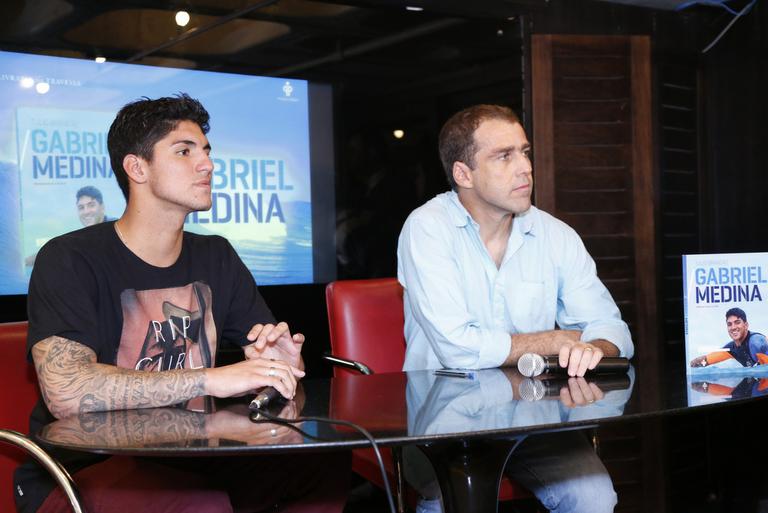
(182, 18)
(26, 82)
(100, 60)
(413, 8)
(42, 87)
(399, 134)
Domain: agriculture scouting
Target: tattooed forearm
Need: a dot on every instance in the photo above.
(73, 382)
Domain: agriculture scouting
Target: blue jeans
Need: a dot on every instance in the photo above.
(560, 469)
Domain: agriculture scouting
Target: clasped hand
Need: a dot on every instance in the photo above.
(273, 358)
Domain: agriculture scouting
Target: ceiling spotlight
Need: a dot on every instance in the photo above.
(399, 134)
(26, 82)
(182, 18)
(413, 8)
(100, 60)
(42, 87)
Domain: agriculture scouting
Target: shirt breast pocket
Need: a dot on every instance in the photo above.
(527, 307)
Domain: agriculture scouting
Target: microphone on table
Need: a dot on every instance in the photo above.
(537, 389)
(267, 396)
(532, 364)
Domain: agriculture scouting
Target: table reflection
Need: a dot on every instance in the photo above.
(400, 409)
(227, 426)
(495, 399)
(721, 387)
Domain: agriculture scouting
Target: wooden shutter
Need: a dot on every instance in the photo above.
(593, 162)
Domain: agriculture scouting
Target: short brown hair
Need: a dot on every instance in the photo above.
(457, 137)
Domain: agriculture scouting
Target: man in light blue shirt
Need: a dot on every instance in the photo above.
(488, 278)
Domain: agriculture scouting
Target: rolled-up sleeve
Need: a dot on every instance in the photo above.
(584, 302)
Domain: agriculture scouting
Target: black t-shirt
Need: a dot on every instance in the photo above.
(87, 286)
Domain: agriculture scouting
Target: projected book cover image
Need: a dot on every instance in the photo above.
(272, 173)
(65, 177)
(725, 298)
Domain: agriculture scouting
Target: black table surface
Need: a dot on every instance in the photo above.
(401, 408)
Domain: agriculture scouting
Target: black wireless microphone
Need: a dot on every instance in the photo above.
(267, 396)
(532, 364)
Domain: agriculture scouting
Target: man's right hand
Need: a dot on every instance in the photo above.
(249, 375)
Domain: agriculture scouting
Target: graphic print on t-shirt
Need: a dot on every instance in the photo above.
(165, 329)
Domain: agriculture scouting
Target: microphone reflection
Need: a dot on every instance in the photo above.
(504, 398)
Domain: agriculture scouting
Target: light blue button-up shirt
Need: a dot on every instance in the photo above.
(460, 309)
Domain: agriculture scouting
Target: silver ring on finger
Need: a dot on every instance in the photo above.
(271, 372)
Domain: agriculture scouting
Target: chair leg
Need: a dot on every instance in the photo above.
(397, 463)
(54, 467)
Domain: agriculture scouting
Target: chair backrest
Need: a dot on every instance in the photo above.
(18, 395)
(366, 322)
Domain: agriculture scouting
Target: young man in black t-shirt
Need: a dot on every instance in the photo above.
(129, 314)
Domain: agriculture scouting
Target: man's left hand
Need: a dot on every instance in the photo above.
(275, 341)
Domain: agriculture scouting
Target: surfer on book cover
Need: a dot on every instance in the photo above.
(747, 347)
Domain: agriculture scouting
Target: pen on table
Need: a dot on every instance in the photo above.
(456, 373)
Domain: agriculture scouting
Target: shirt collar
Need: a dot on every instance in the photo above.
(461, 216)
(525, 221)
(458, 213)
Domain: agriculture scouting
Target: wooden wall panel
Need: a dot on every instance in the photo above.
(594, 169)
(680, 185)
(593, 153)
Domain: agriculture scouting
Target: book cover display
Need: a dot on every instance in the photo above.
(725, 297)
(726, 313)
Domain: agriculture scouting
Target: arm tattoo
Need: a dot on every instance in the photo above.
(71, 381)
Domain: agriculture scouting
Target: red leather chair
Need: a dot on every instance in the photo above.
(366, 322)
(366, 325)
(18, 395)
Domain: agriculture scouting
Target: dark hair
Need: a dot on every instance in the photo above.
(736, 312)
(141, 124)
(457, 137)
(90, 191)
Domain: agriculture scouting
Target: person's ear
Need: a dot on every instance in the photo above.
(462, 175)
(134, 168)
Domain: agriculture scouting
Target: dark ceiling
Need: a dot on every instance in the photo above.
(377, 53)
(353, 40)
(275, 37)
